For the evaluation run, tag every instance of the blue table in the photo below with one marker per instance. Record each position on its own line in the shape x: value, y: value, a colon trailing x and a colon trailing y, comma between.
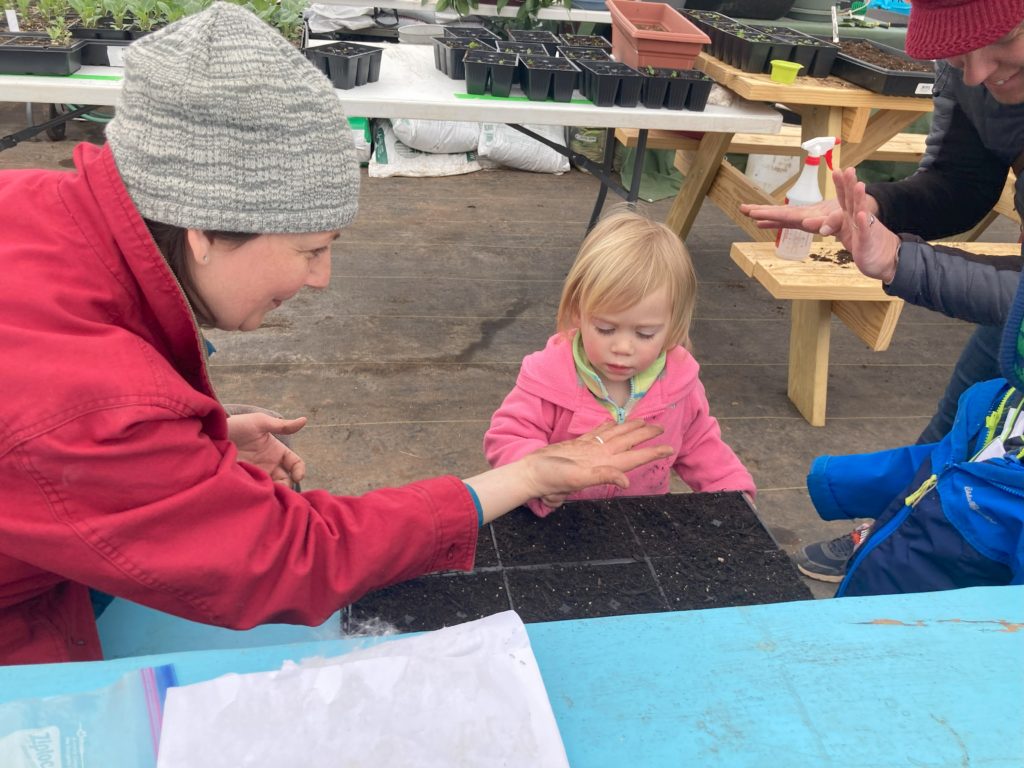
x: 926, y: 680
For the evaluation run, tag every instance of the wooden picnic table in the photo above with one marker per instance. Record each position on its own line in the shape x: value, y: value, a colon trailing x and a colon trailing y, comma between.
x: 818, y: 287
x: 827, y: 106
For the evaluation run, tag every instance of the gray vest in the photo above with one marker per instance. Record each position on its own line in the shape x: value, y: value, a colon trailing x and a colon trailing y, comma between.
x: 1000, y: 126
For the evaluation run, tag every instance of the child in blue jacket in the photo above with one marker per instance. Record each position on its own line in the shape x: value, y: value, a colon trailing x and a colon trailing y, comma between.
x: 948, y: 514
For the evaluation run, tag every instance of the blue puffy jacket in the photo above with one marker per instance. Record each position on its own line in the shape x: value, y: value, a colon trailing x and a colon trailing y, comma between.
x: 942, y: 521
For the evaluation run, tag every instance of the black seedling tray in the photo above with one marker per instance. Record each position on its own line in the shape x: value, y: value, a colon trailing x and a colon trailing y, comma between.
x: 98, y: 52
x: 889, y: 82
x: 815, y: 55
x: 700, y: 90
x: 583, y: 54
x: 547, y: 77
x: 31, y: 54
x: 587, y: 41
x: 601, y: 558
x: 548, y: 39
x: 347, y: 64
x: 479, y: 33
x: 611, y: 83
x: 665, y: 87
x: 449, y: 53
x: 490, y: 71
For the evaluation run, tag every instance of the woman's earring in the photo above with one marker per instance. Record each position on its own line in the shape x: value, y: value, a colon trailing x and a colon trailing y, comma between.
x: 206, y: 258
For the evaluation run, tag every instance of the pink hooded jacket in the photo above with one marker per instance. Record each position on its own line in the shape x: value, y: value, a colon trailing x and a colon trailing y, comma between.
x: 550, y: 404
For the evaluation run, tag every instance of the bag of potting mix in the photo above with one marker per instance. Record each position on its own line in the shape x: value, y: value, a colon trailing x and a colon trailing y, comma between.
x: 393, y: 158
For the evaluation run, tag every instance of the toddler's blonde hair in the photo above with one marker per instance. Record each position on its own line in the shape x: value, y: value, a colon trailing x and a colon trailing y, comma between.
x: 625, y: 258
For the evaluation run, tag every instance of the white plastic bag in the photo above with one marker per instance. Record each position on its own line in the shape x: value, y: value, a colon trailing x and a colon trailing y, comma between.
x: 393, y: 158
x: 113, y: 727
x: 437, y: 135
x: 323, y: 18
x: 464, y: 696
x: 506, y: 145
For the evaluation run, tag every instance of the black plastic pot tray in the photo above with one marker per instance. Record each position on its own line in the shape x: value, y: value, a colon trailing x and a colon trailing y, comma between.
x: 104, y: 53
x: 600, y: 558
x: 19, y: 57
x: 449, y: 53
x: 815, y: 55
x: 889, y: 82
x: 347, y: 64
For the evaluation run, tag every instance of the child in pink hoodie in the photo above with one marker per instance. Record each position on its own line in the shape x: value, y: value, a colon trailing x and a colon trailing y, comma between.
x: 621, y: 353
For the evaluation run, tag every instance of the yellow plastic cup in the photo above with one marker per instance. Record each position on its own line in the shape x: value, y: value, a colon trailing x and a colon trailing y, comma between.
x: 785, y: 71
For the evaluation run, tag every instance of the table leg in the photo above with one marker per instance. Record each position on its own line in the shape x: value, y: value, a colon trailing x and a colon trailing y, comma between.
x: 638, y: 166
x: 873, y: 322
x: 880, y: 127
x: 606, y: 169
x: 602, y: 172
x: 809, y: 335
x: 728, y: 190
x: 686, y: 206
x: 6, y: 142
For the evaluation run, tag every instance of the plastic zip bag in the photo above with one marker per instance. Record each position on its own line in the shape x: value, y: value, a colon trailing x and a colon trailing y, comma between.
x: 113, y: 727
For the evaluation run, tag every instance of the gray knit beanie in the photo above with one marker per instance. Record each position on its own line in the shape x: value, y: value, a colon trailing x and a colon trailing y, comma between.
x: 222, y: 124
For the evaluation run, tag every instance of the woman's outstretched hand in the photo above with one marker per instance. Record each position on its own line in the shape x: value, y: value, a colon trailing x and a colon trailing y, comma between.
x: 254, y: 436
x: 602, y: 456
x: 874, y: 247
x: 809, y: 218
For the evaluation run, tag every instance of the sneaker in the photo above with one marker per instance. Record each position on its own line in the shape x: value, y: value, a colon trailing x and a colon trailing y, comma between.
x: 826, y: 560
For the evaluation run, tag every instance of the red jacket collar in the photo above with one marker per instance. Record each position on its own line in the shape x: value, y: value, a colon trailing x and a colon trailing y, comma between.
x: 136, y: 257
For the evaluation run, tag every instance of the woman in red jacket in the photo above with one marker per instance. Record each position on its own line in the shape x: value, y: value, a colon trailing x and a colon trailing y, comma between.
x: 121, y: 470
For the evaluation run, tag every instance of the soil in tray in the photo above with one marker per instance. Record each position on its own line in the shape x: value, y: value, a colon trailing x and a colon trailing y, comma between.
x: 601, y: 558
x: 583, y: 54
x: 30, y: 41
x: 859, y: 49
x: 586, y: 41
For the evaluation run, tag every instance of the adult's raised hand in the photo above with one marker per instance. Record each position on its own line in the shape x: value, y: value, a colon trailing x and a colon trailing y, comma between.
x: 874, y: 246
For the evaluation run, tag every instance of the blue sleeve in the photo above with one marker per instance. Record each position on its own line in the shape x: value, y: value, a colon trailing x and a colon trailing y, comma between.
x: 863, y: 484
x: 476, y: 504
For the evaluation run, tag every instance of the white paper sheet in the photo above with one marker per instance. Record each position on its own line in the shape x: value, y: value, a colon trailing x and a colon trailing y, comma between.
x: 468, y: 695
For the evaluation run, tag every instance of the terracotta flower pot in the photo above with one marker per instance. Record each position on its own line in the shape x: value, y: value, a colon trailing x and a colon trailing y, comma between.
x: 653, y: 34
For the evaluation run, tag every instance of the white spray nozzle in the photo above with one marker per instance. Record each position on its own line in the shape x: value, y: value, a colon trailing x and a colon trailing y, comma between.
x: 819, y: 146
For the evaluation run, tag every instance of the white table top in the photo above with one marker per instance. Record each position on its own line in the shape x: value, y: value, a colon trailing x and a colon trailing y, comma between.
x: 410, y: 86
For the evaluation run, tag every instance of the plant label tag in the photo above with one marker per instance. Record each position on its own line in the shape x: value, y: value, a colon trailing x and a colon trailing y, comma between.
x: 12, y: 20
x: 835, y: 23
x: 115, y: 55
x: 923, y: 89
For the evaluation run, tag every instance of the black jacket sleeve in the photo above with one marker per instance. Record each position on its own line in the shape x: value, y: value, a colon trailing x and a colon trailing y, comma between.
x: 957, y: 183
x: 978, y: 289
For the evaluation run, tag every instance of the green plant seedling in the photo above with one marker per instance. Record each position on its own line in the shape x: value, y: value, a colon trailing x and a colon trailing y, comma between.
x: 89, y: 12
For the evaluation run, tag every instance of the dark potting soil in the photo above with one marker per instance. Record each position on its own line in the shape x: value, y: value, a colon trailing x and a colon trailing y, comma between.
x: 645, y: 554
x: 840, y: 257
x: 860, y: 49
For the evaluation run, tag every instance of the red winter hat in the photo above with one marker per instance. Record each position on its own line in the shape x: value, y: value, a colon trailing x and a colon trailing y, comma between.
x: 939, y: 29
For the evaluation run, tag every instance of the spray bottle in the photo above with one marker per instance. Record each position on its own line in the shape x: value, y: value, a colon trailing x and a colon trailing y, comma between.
x: 795, y: 244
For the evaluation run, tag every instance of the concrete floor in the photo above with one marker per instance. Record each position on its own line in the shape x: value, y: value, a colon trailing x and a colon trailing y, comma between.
x: 442, y: 285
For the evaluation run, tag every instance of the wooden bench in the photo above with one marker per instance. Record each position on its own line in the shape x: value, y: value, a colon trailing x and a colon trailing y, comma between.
x: 724, y: 190
x: 903, y: 147
x: 818, y: 289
